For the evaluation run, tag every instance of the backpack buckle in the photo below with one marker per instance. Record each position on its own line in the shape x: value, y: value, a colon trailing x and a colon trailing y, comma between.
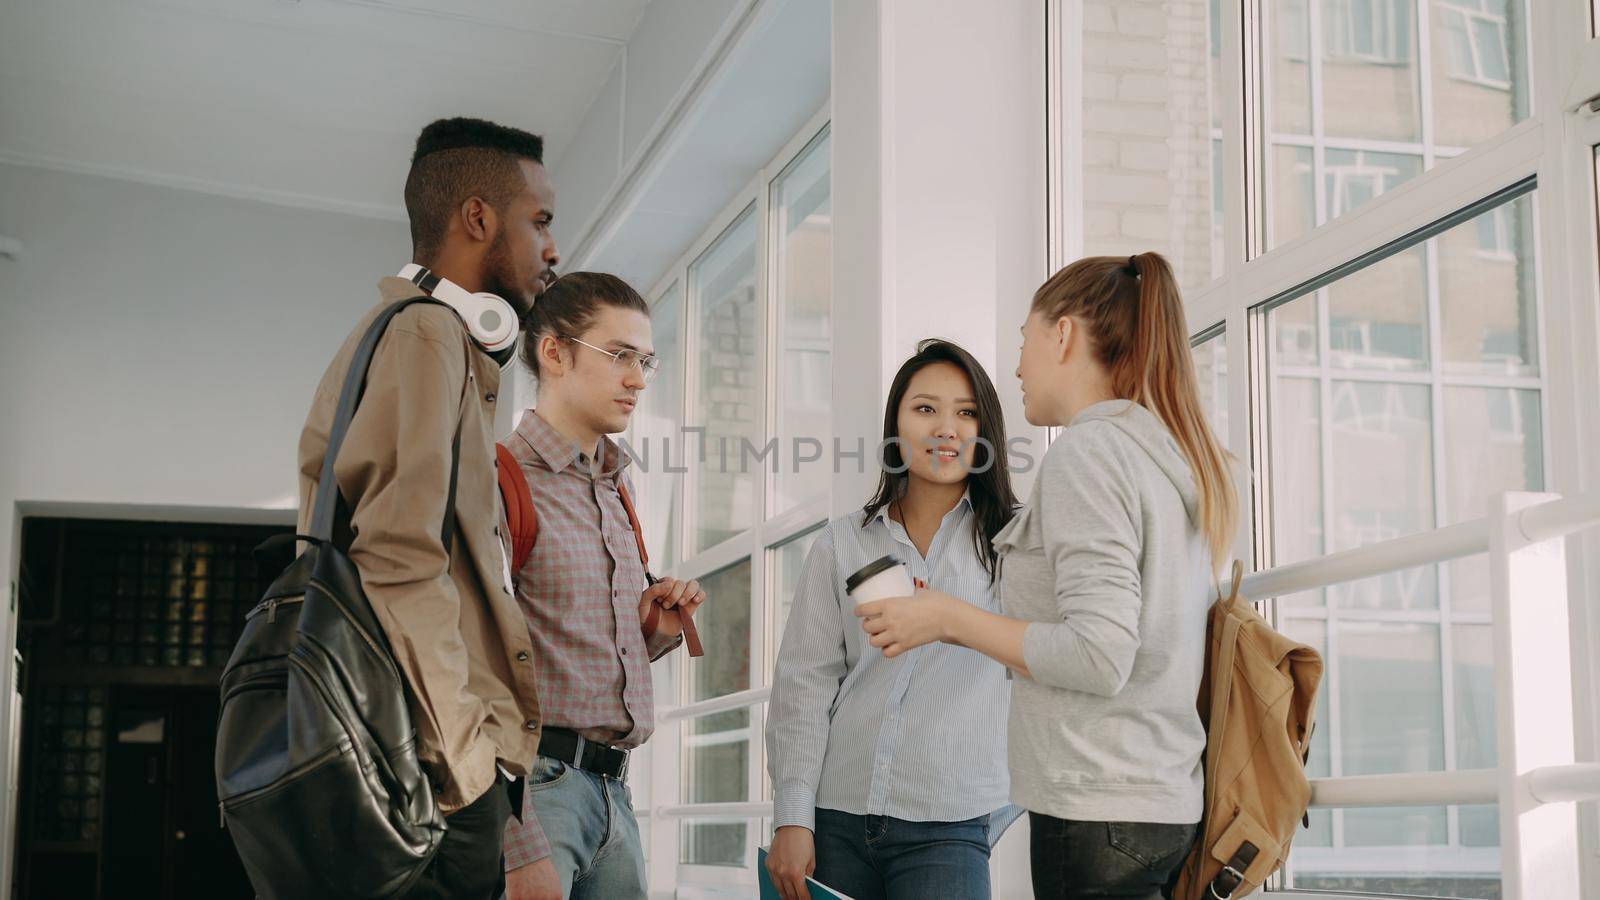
x: 1230, y: 872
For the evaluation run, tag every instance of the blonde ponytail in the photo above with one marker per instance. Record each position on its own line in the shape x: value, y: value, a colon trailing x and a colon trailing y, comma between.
x: 1136, y: 324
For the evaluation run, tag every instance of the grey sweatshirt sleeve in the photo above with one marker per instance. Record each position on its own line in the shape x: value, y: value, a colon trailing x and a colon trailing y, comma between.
x: 1090, y: 512
x: 810, y: 668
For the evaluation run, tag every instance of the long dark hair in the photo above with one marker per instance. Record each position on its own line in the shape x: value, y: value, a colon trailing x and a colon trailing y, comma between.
x: 993, y: 501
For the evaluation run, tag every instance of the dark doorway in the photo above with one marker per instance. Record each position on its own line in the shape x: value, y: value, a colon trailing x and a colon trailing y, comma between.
x: 125, y: 629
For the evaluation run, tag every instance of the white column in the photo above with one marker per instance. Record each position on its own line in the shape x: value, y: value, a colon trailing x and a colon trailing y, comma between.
x: 1533, y: 703
x: 939, y: 217
x: 938, y: 197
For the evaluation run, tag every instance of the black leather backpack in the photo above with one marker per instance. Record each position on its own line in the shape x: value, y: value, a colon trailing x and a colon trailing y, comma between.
x: 317, y: 772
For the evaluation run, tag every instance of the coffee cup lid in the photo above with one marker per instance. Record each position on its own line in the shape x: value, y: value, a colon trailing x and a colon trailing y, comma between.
x: 876, y: 567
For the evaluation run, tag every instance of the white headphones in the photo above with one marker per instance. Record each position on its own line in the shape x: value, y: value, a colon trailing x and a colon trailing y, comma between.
x: 491, y: 321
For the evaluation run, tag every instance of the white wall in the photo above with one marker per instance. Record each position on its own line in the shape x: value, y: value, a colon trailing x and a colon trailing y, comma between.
x: 938, y: 216
x: 664, y: 54
x: 160, y: 347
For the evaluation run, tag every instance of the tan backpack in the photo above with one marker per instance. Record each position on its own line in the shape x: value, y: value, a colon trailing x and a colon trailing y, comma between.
x: 1257, y: 698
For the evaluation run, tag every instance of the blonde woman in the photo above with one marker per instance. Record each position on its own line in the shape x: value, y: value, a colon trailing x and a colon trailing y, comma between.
x: 1104, y: 584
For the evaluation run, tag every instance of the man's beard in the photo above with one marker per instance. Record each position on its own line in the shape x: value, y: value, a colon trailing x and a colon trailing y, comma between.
x: 500, y: 277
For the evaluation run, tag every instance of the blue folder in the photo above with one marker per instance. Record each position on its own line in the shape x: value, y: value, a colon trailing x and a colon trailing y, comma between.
x: 769, y: 891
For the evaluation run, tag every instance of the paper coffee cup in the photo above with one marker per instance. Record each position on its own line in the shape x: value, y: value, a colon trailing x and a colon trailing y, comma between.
x: 881, y: 578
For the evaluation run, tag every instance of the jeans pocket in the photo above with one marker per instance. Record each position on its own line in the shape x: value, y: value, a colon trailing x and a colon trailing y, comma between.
x: 1156, y: 846
x: 547, y: 772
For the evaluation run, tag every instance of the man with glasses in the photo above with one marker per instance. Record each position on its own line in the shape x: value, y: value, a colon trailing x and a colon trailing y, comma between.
x: 584, y: 591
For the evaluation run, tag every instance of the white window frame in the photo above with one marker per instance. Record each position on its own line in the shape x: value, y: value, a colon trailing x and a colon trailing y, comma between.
x: 1554, y: 145
x: 663, y: 809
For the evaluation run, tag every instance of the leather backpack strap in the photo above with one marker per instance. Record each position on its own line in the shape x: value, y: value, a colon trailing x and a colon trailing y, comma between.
x: 521, y: 517
x: 326, y: 501
x: 652, y: 619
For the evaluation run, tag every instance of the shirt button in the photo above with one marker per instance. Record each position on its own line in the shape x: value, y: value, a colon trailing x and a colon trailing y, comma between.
x: 532, y: 725
x: 522, y: 656
x: 489, y: 397
x: 624, y: 651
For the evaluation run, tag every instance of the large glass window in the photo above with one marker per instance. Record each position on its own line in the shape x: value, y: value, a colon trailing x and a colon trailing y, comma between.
x: 1211, y: 376
x: 728, y: 324
x: 1401, y: 396
x: 1152, y: 133
x: 658, y: 443
x: 1357, y: 103
x: 788, y: 557
x: 717, y: 746
x: 747, y: 348
x: 802, y: 212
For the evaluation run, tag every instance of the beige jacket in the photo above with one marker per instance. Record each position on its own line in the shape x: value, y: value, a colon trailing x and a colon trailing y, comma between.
x: 452, y: 621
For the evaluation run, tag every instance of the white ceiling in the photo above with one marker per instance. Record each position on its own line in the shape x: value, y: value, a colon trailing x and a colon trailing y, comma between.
x: 307, y: 102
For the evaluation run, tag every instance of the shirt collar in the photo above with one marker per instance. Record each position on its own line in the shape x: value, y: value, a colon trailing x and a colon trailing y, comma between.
x: 883, y: 511
x: 558, y: 452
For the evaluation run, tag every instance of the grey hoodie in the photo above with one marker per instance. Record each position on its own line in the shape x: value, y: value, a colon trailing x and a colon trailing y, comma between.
x: 1109, y: 564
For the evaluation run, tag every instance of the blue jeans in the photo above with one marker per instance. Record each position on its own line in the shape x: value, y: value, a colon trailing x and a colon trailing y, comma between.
x: 880, y: 858
x: 594, y: 837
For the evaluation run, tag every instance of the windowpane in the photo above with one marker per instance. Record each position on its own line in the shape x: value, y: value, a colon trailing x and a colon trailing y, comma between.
x: 802, y: 207
x: 1390, y: 719
x: 1394, y: 850
x: 724, y: 626
x: 1346, y: 104
x: 1353, y: 411
x: 1211, y: 375
x: 1297, y: 527
x: 788, y: 558
x: 1477, y: 48
x: 1381, y: 459
x: 1413, y: 859
x: 1293, y: 207
x: 658, y: 444
x: 1378, y: 317
x: 723, y: 281
x: 1370, y: 87
x: 1486, y: 296
x: 1496, y: 441
x: 714, y: 844
x: 1473, y: 667
x: 717, y: 747
x: 1148, y: 135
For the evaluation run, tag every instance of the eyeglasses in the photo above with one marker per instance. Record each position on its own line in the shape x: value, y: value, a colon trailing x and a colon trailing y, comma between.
x: 623, y: 361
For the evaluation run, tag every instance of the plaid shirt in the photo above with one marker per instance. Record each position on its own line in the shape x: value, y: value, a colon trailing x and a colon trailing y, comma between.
x: 580, y: 589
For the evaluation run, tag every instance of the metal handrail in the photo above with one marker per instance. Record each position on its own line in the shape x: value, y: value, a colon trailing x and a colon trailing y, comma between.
x: 726, y: 702
x: 1545, y: 521
x: 1550, y: 784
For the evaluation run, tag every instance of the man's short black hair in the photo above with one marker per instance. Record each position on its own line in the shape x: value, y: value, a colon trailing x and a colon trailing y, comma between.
x: 455, y: 160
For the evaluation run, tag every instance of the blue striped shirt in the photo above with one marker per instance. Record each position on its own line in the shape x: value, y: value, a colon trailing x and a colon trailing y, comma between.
x: 921, y: 737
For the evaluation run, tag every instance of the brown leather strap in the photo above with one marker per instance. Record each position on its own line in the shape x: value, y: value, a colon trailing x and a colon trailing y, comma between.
x: 1232, y: 874
x: 652, y: 619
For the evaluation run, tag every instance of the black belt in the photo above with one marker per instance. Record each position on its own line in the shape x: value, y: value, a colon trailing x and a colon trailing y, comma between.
x: 572, y: 749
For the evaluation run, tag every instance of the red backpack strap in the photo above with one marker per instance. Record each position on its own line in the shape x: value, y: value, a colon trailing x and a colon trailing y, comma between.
x: 521, y: 517
x: 652, y: 619
x: 633, y: 520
